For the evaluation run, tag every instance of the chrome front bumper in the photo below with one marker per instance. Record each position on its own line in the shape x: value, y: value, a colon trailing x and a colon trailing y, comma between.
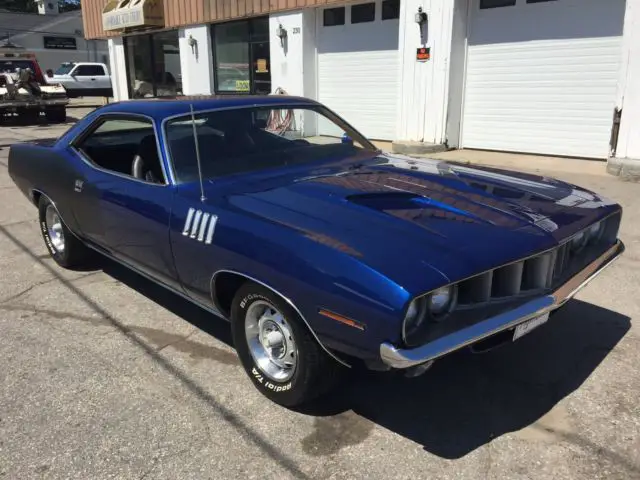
x: 405, y: 358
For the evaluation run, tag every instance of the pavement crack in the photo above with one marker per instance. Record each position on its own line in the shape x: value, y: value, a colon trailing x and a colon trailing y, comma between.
x: 26, y: 290
x: 180, y: 340
x: 40, y: 284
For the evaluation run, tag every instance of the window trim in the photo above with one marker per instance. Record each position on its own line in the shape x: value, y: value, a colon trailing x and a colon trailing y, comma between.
x: 346, y: 126
x: 74, y: 142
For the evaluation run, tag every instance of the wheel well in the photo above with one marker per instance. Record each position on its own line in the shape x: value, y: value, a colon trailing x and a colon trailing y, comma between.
x: 225, y: 287
x: 36, y: 197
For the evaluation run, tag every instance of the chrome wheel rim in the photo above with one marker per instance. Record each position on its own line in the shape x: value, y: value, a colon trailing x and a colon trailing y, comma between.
x: 54, y: 228
x: 271, y: 341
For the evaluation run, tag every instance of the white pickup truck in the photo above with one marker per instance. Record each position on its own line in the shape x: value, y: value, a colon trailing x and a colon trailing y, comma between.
x: 83, y: 79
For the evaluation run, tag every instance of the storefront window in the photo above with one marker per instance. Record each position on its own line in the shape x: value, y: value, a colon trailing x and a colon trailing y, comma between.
x: 242, y: 59
x: 153, y: 65
x: 232, y: 57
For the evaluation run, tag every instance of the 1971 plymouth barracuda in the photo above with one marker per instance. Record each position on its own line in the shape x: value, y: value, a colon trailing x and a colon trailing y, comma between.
x: 322, y: 251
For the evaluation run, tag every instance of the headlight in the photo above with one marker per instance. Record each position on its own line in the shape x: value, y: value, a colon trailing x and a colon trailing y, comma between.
x: 415, y: 320
x: 433, y: 307
x: 440, y: 301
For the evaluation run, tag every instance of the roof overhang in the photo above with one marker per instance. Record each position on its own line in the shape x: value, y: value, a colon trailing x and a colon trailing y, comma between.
x: 125, y: 14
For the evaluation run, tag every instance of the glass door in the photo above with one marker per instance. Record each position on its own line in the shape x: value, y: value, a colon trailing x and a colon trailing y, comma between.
x: 242, y: 59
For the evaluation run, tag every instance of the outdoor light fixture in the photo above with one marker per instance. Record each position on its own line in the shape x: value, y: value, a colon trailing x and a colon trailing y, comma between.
x: 193, y: 43
x: 282, y: 34
x: 421, y: 17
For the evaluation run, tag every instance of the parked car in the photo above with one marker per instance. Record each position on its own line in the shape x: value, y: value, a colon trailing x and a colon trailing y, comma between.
x: 322, y: 251
x: 83, y: 79
x: 23, y: 90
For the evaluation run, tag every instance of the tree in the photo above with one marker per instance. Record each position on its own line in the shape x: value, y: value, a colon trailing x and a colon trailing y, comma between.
x: 68, y: 5
x: 26, y: 6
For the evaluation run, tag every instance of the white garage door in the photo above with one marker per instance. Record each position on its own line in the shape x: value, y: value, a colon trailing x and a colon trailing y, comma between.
x: 542, y: 75
x: 358, y: 64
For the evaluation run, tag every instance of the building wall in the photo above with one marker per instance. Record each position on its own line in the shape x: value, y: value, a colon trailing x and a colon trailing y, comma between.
x: 424, y: 85
x: 193, y: 12
x: 196, y: 62
x: 628, y: 145
x: 118, y: 69
x: 423, y: 106
x: 28, y: 30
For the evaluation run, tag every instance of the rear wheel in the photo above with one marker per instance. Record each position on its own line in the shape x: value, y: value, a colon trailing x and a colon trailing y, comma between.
x: 277, y: 350
x: 55, y: 114
x: 65, y: 248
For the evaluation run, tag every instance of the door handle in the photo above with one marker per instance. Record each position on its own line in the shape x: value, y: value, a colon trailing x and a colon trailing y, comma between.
x: 78, y: 186
x: 92, y: 79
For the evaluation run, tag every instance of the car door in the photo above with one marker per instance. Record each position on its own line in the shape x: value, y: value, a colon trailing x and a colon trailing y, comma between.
x: 86, y: 78
x: 125, y: 215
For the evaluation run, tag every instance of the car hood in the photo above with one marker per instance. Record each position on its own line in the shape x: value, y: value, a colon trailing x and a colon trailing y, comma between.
x: 401, y: 215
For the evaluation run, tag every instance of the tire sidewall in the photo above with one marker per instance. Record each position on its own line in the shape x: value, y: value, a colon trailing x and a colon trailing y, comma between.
x: 284, y: 393
x: 59, y: 257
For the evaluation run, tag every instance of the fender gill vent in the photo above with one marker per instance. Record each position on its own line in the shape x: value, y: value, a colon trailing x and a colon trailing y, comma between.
x: 200, y: 225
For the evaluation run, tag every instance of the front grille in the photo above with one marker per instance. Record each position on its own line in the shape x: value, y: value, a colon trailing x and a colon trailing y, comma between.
x: 537, y: 273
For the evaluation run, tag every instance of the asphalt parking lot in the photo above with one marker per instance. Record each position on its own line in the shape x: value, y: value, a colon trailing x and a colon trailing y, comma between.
x: 105, y: 375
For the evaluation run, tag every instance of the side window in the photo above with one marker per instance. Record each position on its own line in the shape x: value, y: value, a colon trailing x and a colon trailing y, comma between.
x: 126, y: 146
x: 89, y: 70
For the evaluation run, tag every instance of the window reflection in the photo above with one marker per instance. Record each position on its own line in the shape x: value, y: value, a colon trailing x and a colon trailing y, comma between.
x: 153, y: 65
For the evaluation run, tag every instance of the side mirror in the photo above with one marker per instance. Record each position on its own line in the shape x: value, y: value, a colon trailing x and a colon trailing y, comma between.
x: 347, y: 139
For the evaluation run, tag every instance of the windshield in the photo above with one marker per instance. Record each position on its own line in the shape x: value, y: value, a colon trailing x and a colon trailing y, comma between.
x: 258, y: 138
x: 64, y: 69
x: 11, y: 65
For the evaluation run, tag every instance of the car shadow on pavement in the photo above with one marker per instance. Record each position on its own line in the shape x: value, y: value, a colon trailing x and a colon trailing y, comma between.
x: 198, y: 317
x: 465, y: 400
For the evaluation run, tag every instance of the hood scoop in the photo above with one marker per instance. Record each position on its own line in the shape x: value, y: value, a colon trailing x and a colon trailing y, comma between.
x: 395, y: 202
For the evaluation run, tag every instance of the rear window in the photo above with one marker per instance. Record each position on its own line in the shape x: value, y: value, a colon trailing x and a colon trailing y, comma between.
x: 11, y: 65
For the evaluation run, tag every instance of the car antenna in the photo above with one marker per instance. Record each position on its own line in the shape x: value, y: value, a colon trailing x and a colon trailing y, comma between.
x: 195, y: 139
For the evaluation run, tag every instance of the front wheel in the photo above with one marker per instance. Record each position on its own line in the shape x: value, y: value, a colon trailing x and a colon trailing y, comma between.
x: 277, y: 350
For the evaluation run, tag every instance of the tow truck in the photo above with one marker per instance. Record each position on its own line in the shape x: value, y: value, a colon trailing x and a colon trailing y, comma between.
x: 24, y: 91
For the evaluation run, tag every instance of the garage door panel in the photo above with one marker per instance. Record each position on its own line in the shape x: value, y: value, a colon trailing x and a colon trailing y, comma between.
x: 358, y: 73
x: 556, y: 92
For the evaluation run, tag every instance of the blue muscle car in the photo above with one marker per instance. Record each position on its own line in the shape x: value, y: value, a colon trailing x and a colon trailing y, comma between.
x: 322, y: 251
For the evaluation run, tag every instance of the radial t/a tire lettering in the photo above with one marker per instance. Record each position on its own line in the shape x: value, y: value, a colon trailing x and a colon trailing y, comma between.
x: 282, y: 358
x: 63, y: 246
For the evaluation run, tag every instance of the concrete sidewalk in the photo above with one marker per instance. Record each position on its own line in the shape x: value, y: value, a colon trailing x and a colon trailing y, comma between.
x: 520, y: 161
x: 89, y: 102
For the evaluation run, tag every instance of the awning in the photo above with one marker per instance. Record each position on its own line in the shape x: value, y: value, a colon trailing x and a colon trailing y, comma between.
x: 121, y: 14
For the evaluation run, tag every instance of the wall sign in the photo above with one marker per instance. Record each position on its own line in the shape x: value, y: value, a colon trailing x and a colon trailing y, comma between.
x: 423, y: 54
x: 60, y: 43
